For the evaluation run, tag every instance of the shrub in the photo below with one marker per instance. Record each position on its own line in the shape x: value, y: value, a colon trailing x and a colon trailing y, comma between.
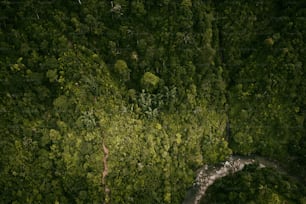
x: 150, y: 81
x: 122, y: 70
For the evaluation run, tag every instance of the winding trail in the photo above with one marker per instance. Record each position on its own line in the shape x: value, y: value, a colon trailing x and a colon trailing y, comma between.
x: 105, y: 173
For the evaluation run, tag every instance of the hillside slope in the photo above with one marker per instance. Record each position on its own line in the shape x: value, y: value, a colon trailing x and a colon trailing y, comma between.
x: 164, y: 86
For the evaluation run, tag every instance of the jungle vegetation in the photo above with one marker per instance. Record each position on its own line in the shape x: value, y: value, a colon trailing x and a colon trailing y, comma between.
x: 166, y: 86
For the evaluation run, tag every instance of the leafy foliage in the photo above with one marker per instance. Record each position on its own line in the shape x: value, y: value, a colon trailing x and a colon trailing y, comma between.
x: 122, y: 69
x: 149, y: 81
x: 264, y: 76
x: 155, y: 81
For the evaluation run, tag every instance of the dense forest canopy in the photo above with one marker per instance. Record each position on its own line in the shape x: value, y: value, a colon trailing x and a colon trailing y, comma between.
x: 165, y: 86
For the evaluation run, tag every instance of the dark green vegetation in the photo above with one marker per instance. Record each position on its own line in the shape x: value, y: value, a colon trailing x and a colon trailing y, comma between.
x: 265, y: 74
x: 156, y: 82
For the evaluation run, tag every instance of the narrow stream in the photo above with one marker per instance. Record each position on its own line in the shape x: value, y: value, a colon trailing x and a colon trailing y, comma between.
x: 207, y: 175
